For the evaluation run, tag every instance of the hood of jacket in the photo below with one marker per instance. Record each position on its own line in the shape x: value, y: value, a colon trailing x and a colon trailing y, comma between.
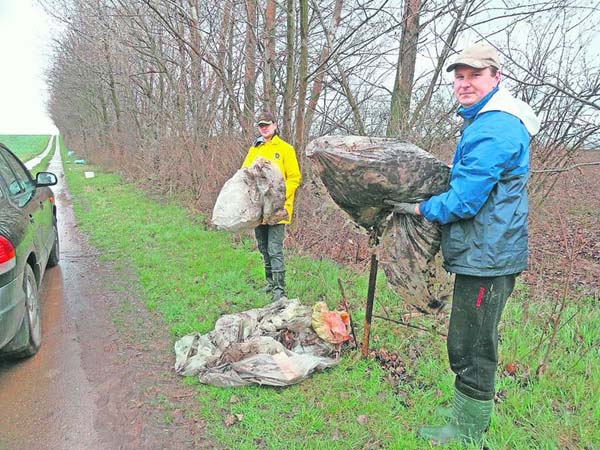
x: 504, y: 101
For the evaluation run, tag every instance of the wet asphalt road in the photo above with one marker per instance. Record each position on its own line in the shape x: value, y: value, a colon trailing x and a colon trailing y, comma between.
x: 91, y: 386
x: 47, y: 401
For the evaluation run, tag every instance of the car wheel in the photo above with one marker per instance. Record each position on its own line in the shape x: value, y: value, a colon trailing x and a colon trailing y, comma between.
x: 32, y: 322
x: 54, y: 257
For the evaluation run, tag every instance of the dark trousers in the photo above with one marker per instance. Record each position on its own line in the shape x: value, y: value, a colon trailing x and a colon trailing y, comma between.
x: 270, y: 244
x: 472, y: 344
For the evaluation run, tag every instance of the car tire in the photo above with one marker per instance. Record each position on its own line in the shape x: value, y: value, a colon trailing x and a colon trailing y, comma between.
x: 32, y: 322
x: 54, y: 257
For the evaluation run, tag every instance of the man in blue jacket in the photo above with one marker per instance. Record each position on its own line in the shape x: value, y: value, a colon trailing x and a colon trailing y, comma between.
x: 484, y: 232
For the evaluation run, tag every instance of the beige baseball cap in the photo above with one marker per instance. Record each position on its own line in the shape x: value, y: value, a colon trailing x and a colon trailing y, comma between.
x: 478, y: 56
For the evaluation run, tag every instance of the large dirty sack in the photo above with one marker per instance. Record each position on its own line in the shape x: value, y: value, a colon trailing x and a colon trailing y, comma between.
x: 254, y: 195
x: 360, y: 173
x: 274, y: 345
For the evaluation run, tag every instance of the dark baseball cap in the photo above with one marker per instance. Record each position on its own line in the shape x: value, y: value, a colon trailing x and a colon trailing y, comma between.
x: 265, y: 118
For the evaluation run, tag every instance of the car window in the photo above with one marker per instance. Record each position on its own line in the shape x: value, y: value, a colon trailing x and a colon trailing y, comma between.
x: 14, y: 175
x: 20, y: 171
x: 8, y: 176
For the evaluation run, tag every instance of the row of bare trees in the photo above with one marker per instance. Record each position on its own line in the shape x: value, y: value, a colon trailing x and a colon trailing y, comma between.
x: 157, y: 85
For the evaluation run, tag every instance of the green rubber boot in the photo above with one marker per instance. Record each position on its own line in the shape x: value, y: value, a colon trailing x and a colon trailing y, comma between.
x: 470, y: 418
x: 444, y: 412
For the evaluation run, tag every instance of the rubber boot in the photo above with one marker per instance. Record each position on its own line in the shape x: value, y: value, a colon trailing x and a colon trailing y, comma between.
x: 444, y: 412
x: 278, y: 286
x: 470, y: 418
x: 269, y: 287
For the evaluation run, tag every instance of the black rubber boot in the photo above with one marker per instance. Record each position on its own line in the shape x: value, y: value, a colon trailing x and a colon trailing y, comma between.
x: 278, y: 286
x: 470, y: 418
x: 269, y: 287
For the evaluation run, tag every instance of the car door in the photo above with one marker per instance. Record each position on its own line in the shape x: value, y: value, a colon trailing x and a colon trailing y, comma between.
x: 23, y: 193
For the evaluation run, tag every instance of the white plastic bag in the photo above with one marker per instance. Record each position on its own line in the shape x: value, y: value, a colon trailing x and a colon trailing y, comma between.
x: 248, y: 348
x: 254, y: 195
x: 238, y: 205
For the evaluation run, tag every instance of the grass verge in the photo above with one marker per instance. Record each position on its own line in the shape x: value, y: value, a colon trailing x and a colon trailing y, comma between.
x: 192, y: 275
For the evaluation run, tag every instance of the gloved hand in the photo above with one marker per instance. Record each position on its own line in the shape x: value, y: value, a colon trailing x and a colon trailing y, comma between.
x: 402, y: 208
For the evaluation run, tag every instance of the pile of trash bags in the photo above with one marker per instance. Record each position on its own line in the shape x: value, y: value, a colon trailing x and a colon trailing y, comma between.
x: 278, y: 345
x: 254, y: 195
x: 360, y: 173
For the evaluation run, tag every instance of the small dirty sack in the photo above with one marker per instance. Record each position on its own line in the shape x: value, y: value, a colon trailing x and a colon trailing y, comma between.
x: 361, y: 172
x: 254, y: 195
x: 331, y: 326
x: 274, y: 345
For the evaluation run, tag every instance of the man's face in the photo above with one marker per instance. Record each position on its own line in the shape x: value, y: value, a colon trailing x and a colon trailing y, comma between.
x: 267, y: 131
x: 471, y: 85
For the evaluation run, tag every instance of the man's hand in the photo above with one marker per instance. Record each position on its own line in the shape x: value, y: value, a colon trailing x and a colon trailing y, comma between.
x: 403, y: 208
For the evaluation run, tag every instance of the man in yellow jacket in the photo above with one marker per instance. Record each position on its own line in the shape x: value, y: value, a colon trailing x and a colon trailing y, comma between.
x: 270, y: 237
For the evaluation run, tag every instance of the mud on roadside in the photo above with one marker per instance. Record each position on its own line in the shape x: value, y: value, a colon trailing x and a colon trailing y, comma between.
x: 128, y: 358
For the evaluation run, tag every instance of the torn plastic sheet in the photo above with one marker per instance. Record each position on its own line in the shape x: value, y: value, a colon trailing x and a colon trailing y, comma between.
x: 361, y: 172
x: 274, y: 345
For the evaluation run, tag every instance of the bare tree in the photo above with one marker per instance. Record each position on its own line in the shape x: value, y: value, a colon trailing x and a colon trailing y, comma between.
x: 405, y: 70
x: 269, y: 61
x: 302, y: 75
x: 144, y: 72
x: 290, y: 75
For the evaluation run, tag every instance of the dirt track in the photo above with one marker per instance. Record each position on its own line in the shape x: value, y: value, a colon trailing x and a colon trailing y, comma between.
x: 94, y: 385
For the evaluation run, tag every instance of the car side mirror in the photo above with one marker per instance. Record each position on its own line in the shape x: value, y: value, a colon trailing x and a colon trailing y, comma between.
x: 45, y: 179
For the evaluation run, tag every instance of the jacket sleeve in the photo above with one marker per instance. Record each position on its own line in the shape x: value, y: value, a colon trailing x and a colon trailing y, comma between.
x: 484, y: 159
x: 293, y: 177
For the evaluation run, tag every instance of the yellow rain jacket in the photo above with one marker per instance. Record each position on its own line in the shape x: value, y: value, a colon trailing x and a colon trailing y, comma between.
x: 283, y: 156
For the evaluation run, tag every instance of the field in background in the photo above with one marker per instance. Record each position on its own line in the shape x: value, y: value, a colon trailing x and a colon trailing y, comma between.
x: 564, y: 229
x: 25, y: 146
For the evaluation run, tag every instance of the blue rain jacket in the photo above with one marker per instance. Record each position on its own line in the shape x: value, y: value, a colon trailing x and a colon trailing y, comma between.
x: 484, y: 212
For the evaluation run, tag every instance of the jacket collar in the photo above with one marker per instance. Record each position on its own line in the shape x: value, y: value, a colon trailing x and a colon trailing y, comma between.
x: 261, y: 140
x: 471, y: 111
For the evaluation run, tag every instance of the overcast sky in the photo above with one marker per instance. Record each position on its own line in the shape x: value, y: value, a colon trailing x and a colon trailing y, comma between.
x: 24, y: 52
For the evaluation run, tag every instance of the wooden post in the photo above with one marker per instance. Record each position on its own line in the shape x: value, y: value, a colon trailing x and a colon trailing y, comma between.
x: 369, y: 311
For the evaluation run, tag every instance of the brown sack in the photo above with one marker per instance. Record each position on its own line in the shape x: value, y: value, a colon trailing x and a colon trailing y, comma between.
x: 361, y: 172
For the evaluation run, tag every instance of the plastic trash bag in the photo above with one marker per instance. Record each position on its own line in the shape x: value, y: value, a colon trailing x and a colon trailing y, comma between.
x: 361, y: 172
x: 267, y: 362
x: 413, y: 265
x: 274, y: 345
x: 331, y: 326
x: 254, y: 195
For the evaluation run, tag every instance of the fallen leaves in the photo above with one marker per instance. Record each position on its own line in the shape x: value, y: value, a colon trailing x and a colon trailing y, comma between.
x: 232, y: 419
x: 393, y: 363
x: 362, y: 419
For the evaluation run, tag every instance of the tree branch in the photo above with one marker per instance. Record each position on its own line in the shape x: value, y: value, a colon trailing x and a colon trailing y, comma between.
x: 566, y: 169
